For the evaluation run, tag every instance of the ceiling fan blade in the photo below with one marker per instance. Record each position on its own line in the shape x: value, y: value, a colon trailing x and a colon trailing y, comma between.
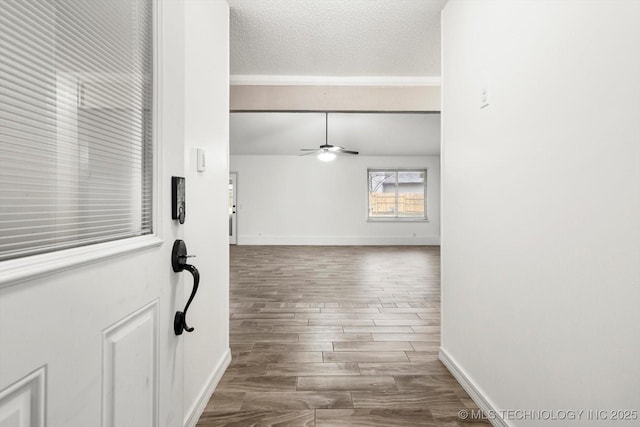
x: 326, y: 148
x: 343, y: 151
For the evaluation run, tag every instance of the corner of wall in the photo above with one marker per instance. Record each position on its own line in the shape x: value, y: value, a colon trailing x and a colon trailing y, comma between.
x: 196, y: 411
x: 477, y: 395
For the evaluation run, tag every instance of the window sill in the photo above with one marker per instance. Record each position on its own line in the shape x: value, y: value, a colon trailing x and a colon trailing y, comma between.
x: 15, y: 271
x: 398, y: 220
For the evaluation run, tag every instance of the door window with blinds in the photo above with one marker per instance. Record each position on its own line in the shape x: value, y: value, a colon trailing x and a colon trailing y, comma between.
x: 76, y: 93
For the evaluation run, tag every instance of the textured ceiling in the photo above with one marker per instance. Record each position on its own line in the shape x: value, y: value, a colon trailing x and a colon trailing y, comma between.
x: 336, y: 37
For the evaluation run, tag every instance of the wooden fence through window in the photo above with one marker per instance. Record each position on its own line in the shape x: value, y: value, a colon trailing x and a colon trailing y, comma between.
x: 384, y: 204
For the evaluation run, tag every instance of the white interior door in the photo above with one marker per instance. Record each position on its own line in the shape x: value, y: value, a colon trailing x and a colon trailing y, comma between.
x: 86, y: 334
x: 233, y: 216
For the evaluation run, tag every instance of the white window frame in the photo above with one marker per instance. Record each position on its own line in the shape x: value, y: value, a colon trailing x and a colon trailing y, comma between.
x: 400, y: 219
x: 19, y: 270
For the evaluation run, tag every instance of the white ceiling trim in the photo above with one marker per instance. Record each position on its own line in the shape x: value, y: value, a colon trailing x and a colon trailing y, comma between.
x: 281, y: 80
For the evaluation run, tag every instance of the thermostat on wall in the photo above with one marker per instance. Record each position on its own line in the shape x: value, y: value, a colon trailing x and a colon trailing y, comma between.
x: 202, y: 160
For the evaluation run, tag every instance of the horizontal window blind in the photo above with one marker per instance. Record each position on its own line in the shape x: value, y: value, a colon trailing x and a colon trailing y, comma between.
x: 75, y: 123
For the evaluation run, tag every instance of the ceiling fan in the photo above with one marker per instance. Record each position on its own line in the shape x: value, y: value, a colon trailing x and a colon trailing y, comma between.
x: 327, y: 152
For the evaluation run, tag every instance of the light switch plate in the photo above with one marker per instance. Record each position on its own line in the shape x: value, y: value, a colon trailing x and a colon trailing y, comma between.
x: 484, y: 97
x: 202, y: 160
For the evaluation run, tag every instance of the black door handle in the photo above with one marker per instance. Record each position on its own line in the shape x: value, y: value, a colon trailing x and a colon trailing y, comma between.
x: 179, y: 263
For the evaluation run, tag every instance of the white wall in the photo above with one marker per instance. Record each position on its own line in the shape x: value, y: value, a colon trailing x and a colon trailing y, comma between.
x: 206, y: 227
x: 372, y: 134
x: 303, y: 201
x: 541, y: 203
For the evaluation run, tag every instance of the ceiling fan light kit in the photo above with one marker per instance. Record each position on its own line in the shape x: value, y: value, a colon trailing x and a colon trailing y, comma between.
x: 326, y: 156
x: 327, y: 152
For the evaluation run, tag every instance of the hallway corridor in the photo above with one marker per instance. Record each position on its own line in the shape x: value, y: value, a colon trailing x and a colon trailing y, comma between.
x: 335, y: 336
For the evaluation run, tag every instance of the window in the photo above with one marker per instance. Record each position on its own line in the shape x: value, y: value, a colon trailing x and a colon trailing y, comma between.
x: 75, y: 123
x: 397, y: 194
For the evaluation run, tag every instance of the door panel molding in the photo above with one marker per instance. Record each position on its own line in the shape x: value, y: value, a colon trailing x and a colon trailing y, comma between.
x: 130, y: 370
x: 22, y: 404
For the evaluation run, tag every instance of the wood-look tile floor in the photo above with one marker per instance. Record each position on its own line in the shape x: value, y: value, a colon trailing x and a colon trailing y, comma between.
x: 335, y: 336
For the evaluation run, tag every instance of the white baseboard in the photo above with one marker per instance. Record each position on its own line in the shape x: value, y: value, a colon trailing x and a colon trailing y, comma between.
x: 194, y: 414
x: 338, y: 240
x: 472, y: 389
